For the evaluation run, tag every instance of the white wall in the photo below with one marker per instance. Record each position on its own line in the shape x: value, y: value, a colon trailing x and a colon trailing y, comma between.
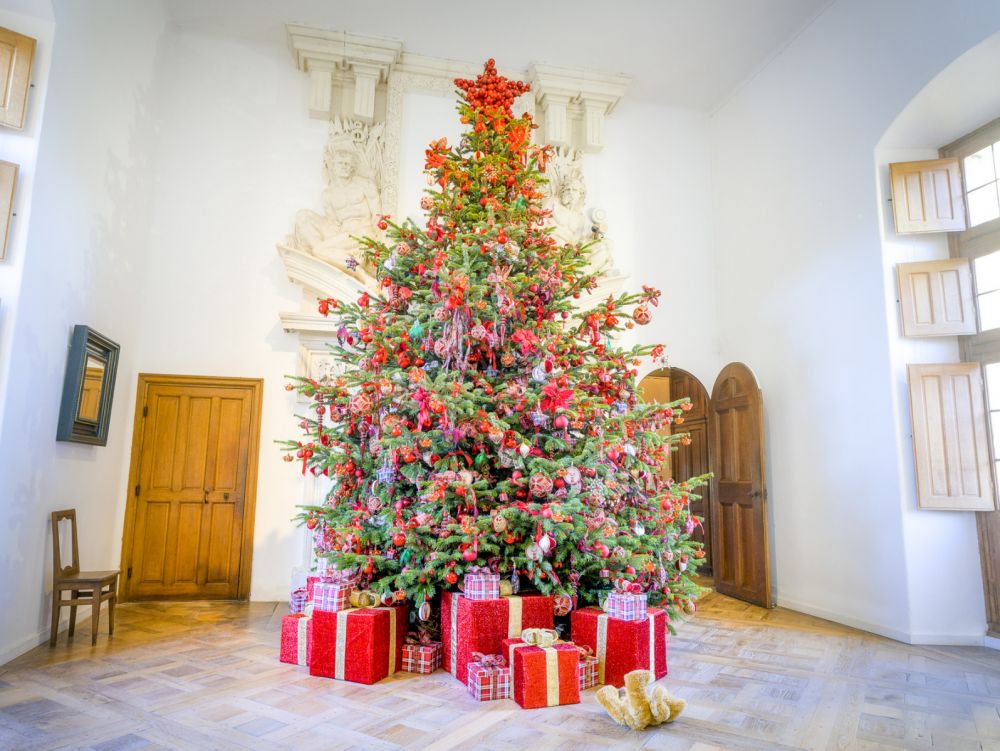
x: 803, y: 299
x: 80, y: 262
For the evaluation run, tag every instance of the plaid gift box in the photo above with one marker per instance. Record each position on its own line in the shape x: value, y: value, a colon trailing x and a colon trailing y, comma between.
x: 489, y: 678
x: 297, y: 602
x: 626, y: 606
x: 588, y: 671
x: 481, y: 585
x: 422, y: 658
x: 331, y: 597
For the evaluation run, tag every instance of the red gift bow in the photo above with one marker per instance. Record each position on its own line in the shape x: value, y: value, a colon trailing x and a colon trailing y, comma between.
x: 585, y: 651
x: 489, y: 661
x: 623, y: 586
x: 339, y: 576
x: 479, y: 571
x: 423, y: 640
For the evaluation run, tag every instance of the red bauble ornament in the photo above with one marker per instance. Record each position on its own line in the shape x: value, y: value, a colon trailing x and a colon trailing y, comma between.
x: 470, y: 554
x: 641, y: 315
x: 451, y: 577
x: 399, y: 539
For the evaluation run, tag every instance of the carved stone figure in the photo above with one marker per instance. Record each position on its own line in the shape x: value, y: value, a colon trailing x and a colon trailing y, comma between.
x: 567, y: 196
x: 350, y: 203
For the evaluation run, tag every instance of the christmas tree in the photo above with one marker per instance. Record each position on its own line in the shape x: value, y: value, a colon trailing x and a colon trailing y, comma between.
x: 482, y: 419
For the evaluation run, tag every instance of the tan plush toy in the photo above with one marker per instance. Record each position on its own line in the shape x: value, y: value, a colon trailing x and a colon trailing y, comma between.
x: 637, y: 707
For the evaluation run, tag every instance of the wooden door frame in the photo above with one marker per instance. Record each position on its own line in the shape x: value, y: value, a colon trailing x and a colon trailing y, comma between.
x: 249, y: 502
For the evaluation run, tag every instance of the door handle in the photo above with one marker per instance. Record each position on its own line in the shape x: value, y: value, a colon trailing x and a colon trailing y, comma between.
x: 755, y: 494
x: 205, y: 497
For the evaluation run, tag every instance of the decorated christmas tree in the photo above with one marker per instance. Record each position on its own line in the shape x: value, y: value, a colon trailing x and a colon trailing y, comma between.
x: 484, y: 417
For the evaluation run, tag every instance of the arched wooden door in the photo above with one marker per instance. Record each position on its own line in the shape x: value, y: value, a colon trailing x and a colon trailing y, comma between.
x: 667, y: 385
x: 692, y: 460
x: 739, y: 497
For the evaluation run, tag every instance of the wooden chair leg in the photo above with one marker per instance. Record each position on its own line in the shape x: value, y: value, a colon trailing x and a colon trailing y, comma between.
x: 72, y: 612
x: 95, y: 618
x: 111, y: 612
x: 56, y: 597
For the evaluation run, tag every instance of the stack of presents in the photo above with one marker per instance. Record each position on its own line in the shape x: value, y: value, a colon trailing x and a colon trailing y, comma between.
x: 500, y: 647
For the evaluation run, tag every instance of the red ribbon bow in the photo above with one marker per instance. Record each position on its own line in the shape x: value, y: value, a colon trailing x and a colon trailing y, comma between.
x: 489, y: 661
x: 423, y: 639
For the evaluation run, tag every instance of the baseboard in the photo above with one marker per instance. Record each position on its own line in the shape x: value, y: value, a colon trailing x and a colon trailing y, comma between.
x: 28, y: 643
x: 992, y: 642
x: 907, y: 637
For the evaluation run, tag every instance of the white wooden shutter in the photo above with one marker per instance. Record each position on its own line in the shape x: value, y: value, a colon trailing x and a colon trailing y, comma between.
x: 16, y: 54
x: 950, y: 437
x: 927, y: 196
x: 936, y: 298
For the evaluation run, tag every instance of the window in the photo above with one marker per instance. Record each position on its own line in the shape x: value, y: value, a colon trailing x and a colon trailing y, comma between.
x: 981, y: 170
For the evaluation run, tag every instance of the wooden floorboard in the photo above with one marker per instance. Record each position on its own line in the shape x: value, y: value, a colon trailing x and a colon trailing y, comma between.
x: 206, y: 676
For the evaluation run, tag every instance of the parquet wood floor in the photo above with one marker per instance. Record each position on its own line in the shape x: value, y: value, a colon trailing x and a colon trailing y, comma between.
x: 206, y: 676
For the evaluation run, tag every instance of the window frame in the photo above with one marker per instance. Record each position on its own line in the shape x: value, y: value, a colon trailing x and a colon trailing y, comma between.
x: 972, y: 243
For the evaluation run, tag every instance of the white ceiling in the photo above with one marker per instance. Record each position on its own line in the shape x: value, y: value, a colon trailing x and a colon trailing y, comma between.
x: 688, y: 53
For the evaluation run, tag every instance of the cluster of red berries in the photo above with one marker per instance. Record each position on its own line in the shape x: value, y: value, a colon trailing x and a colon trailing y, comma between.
x: 490, y: 91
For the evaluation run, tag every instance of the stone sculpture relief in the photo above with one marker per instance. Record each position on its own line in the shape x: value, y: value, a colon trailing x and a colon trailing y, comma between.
x: 351, y: 202
x: 567, y: 197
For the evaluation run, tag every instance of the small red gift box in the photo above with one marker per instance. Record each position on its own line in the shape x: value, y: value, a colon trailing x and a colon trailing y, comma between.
x: 481, y: 586
x: 296, y: 639
x: 622, y: 646
x: 422, y: 658
x: 469, y: 626
x: 626, y: 606
x: 489, y: 679
x: 361, y: 645
x: 311, y: 582
x: 331, y: 597
x: 588, y: 671
x: 543, y: 676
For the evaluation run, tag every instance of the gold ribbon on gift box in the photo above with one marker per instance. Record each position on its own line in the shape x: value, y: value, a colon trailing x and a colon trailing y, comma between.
x: 302, y: 626
x: 363, y: 598
x: 341, y: 644
x: 545, y: 639
x: 602, y: 644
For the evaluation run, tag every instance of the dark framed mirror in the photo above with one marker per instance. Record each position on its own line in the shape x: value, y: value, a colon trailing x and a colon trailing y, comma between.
x: 89, y: 388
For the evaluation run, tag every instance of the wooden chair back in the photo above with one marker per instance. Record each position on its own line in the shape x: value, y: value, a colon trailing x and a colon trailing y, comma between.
x: 58, y: 570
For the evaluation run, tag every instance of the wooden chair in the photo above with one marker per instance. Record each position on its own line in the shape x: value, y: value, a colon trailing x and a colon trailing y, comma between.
x: 74, y: 580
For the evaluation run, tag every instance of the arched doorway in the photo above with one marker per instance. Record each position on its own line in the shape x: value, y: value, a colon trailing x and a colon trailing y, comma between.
x: 692, y: 459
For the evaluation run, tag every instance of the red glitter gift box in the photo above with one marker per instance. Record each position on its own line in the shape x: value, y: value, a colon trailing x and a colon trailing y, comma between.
x: 622, y: 646
x: 543, y: 676
x: 296, y: 639
x: 362, y: 645
x: 422, y: 658
x: 469, y: 626
x: 311, y: 582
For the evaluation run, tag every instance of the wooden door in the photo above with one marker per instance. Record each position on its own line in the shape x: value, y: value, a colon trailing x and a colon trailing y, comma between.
x: 193, y: 474
x: 655, y: 388
x: 692, y: 460
x: 739, y: 497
